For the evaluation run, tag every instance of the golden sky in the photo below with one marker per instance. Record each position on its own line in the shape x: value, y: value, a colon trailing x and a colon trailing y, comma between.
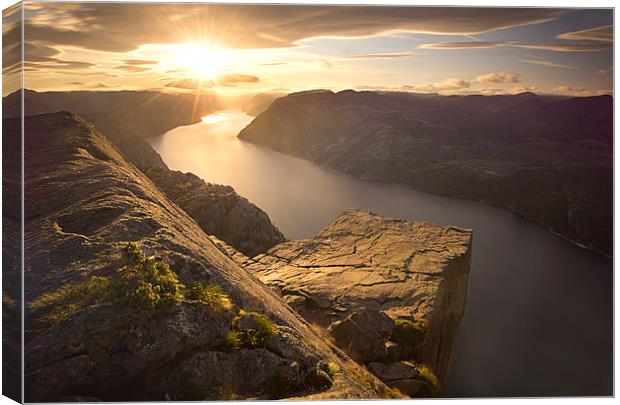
x: 237, y: 49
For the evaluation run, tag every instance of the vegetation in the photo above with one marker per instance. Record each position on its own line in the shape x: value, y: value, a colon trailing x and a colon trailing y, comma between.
x: 142, y: 286
x: 145, y: 285
x: 433, y: 388
x: 332, y: 369
x: 257, y: 334
x: 53, y: 307
x: 408, y: 334
x: 211, y: 294
x: 233, y: 341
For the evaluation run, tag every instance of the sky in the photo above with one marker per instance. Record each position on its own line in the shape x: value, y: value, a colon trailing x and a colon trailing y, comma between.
x: 239, y: 49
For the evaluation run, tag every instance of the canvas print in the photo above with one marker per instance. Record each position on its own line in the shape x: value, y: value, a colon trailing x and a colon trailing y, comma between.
x: 208, y: 201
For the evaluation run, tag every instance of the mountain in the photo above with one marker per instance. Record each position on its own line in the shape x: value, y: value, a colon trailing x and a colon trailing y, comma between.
x: 128, y: 118
x: 127, y: 298
x: 548, y: 159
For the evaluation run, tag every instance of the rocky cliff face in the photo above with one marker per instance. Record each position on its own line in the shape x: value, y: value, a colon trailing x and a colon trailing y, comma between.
x: 127, y: 118
x: 548, y: 159
x: 388, y: 290
x: 129, y: 299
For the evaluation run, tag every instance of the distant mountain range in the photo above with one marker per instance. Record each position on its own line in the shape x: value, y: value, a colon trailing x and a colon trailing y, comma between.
x: 549, y: 159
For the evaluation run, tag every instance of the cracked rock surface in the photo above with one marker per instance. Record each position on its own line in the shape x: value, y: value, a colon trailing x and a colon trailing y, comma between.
x: 409, y: 270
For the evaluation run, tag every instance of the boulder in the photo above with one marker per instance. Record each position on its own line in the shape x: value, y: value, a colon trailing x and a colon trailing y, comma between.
x: 363, y: 334
x: 401, y: 370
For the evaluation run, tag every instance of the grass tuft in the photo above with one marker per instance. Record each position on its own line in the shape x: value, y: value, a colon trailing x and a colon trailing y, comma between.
x: 142, y: 286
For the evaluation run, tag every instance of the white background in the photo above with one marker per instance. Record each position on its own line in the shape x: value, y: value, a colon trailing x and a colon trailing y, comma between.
x: 544, y: 3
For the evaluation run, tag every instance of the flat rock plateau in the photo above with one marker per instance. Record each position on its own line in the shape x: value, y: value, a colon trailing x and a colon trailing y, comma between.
x: 364, y: 265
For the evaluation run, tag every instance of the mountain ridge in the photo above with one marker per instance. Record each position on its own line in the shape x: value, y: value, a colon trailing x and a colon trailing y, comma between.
x: 485, y: 148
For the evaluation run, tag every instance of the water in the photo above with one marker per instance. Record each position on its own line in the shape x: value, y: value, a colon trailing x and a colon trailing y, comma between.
x: 539, y: 314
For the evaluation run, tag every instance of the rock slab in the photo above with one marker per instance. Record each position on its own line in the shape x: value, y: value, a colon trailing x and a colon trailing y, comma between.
x: 364, y: 262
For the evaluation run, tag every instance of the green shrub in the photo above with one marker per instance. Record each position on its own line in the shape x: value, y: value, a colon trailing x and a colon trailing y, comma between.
x: 257, y: 335
x: 332, y: 369
x: 263, y: 329
x: 211, y: 294
x: 233, y: 341
x: 147, y: 286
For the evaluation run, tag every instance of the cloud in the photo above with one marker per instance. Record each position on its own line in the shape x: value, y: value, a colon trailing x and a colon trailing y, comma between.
x: 495, y: 44
x: 325, y: 64
x: 498, y: 77
x: 235, y: 78
x: 604, y: 33
x: 578, y: 91
x: 120, y: 27
x: 90, y: 85
x: 463, y: 45
x: 390, y: 55
x: 273, y: 64
x: 132, y: 68
x: 57, y: 64
x: 446, y: 85
x: 137, y: 62
x: 189, y: 84
x: 544, y: 62
x: 566, y: 47
x: 227, y: 80
x: 603, y: 72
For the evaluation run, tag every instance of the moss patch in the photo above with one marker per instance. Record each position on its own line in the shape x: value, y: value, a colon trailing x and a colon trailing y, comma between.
x: 408, y: 334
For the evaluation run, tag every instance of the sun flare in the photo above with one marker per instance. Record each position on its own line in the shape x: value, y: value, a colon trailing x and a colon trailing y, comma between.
x: 202, y: 62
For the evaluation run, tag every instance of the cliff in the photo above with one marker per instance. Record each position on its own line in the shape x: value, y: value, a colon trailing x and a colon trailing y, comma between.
x: 548, y: 159
x: 128, y: 299
x: 362, y: 267
x: 127, y: 118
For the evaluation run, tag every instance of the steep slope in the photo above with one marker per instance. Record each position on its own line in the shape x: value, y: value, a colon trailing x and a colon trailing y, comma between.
x: 414, y: 272
x: 197, y: 326
x: 548, y: 159
x: 127, y: 118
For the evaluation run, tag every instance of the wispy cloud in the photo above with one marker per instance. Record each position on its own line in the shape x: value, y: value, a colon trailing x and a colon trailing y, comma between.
x: 132, y: 68
x: 387, y: 55
x: 548, y: 63
x: 566, y: 47
x: 227, y: 80
x: 325, y: 64
x: 463, y: 45
x: 120, y: 27
x: 603, y: 33
x: 137, y: 62
x: 546, y: 47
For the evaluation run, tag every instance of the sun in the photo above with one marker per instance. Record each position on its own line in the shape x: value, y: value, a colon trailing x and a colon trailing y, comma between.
x: 202, y: 62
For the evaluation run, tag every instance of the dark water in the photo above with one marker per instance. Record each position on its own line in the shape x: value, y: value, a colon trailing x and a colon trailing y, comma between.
x: 539, y: 314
